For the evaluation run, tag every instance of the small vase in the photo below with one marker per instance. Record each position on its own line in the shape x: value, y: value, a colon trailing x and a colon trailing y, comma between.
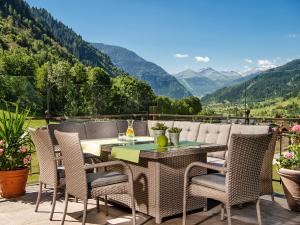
x: 174, y: 138
x: 157, y: 133
x: 291, y: 186
x: 13, y: 182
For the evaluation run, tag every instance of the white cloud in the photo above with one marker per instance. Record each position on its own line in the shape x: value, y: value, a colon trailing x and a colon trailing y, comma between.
x: 179, y: 55
x: 204, y: 59
x: 249, y: 61
x: 292, y: 35
x: 265, y: 64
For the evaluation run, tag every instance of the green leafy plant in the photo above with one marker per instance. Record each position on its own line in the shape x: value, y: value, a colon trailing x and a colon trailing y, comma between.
x: 176, y: 130
x: 15, y: 141
x: 291, y: 159
x: 160, y: 126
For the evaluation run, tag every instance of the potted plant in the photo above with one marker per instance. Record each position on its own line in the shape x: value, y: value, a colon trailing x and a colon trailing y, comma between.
x: 295, y: 134
x: 174, y: 134
x: 15, y: 154
x: 289, y: 171
x: 159, y: 129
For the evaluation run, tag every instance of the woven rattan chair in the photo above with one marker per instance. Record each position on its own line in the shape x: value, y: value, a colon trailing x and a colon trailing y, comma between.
x: 237, y: 183
x: 50, y: 173
x: 82, y: 185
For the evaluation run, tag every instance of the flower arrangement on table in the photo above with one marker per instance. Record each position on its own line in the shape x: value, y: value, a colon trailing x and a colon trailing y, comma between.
x: 160, y: 126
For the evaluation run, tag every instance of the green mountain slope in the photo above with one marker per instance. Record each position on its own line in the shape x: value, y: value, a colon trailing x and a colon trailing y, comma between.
x: 30, y: 53
x: 162, y: 82
x: 283, y: 81
x: 84, y: 51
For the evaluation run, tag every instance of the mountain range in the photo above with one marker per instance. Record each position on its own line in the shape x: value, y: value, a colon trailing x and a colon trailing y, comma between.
x: 282, y: 81
x: 208, y: 80
x: 161, y: 82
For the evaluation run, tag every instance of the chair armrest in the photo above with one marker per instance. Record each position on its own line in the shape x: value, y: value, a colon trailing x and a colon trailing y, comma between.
x: 211, y: 166
x: 105, y: 164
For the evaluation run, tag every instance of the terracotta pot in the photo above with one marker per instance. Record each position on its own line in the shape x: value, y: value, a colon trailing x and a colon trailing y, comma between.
x: 13, y: 183
x: 291, y: 186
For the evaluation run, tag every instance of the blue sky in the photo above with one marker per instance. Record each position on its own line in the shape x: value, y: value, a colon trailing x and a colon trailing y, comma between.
x: 181, y: 34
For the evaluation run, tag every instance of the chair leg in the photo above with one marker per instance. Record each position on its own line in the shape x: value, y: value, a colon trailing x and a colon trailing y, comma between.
x: 106, y: 206
x: 98, y: 205
x: 133, y: 209
x: 258, y: 211
x: 84, y: 211
x: 38, y: 197
x: 65, y: 210
x: 184, y: 204
x: 222, y: 211
x: 228, y: 210
x: 53, y: 202
x: 273, y: 196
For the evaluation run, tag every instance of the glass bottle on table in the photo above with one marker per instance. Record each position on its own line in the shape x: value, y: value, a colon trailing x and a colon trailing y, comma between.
x: 130, y: 131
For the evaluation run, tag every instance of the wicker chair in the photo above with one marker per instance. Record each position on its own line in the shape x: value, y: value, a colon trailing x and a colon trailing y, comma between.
x: 50, y: 173
x: 266, y: 174
x: 235, y: 184
x: 82, y: 185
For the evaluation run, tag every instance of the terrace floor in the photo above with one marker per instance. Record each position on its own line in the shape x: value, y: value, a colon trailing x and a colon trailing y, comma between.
x: 20, y: 211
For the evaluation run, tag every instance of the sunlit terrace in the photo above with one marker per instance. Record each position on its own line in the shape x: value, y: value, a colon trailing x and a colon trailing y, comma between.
x: 103, y: 139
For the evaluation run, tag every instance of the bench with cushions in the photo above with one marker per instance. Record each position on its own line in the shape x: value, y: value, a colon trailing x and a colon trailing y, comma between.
x: 191, y: 131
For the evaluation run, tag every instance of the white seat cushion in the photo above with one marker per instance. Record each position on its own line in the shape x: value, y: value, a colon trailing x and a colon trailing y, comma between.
x: 105, y: 178
x: 189, y: 130
x: 216, y: 161
x: 151, y: 123
x: 214, y: 180
x: 216, y: 134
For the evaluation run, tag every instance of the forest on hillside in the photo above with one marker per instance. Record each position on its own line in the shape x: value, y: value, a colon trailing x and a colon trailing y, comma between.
x: 79, y: 80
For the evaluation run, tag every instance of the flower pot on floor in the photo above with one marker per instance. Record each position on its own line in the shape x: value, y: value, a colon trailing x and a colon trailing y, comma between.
x: 13, y: 182
x: 291, y: 186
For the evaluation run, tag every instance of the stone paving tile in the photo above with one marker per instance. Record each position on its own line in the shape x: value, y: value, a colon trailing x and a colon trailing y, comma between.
x: 21, y: 212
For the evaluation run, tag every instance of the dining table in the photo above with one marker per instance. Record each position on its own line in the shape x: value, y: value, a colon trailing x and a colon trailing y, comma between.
x: 158, y: 172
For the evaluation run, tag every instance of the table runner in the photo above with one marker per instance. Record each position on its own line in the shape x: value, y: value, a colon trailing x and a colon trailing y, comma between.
x: 132, y: 152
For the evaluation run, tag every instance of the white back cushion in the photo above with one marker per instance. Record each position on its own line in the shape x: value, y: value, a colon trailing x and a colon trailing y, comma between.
x: 151, y: 123
x: 216, y: 134
x: 248, y: 129
x: 189, y: 130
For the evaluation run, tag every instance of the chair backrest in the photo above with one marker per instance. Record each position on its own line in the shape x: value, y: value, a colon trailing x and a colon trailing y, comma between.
x: 122, y: 126
x: 216, y: 134
x: 45, y: 154
x: 66, y: 127
x: 266, y: 175
x: 189, y: 130
x: 140, y: 128
x: 105, y: 129
x: 73, y: 161
x: 245, y: 158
